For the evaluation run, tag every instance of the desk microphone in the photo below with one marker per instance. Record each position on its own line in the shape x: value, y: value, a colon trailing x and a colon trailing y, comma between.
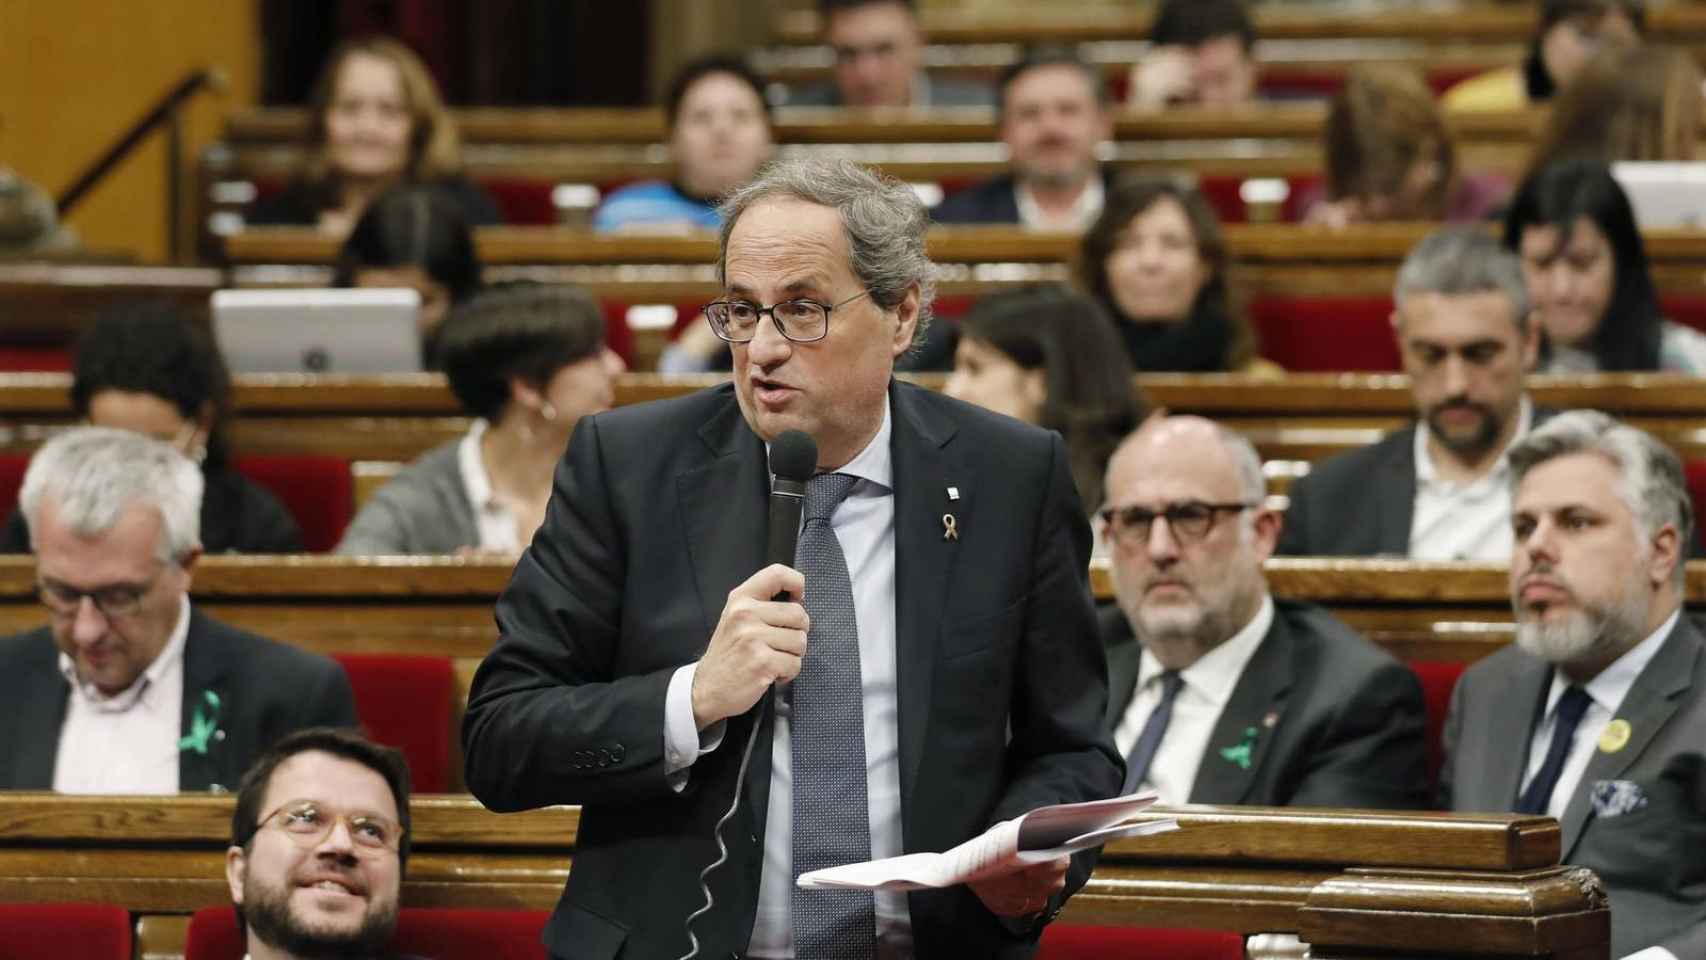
x: 793, y: 460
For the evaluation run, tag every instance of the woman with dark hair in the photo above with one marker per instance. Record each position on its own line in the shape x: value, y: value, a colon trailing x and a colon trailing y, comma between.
x: 147, y: 368
x: 375, y: 119
x: 528, y: 361
x: 412, y: 236
x: 1567, y: 35
x: 1049, y: 356
x: 1586, y: 270
x: 1157, y: 262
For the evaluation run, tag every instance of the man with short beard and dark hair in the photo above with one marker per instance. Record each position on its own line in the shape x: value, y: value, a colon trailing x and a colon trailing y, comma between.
x: 1218, y: 692
x: 319, y: 842
x: 1436, y: 490
x: 1597, y: 714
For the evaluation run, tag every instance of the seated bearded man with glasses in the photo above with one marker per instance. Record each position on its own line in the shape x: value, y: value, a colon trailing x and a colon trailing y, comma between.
x: 129, y: 689
x: 319, y: 841
x: 1218, y: 693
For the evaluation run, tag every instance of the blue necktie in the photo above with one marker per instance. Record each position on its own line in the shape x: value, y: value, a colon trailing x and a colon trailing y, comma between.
x: 1143, y: 752
x: 1570, y: 708
x: 832, y: 822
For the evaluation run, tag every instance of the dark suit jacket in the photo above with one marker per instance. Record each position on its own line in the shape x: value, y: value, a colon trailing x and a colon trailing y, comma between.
x: 937, y: 91
x: 265, y: 689
x: 991, y: 201
x: 659, y: 511
x: 1338, y: 722
x: 1650, y: 860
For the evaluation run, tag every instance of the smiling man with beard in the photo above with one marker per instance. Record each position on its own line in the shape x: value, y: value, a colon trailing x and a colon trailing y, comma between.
x: 1219, y: 693
x: 319, y: 841
x: 1436, y: 490
x: 1597, y: 715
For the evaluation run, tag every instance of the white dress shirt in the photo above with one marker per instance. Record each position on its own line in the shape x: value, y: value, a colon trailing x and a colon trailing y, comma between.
x: 1464, y: 521
x: 864, y: 525
x: 128, y: 742
x: 1208, y: 686
x: 495, y: 523
x: 1076, y: 219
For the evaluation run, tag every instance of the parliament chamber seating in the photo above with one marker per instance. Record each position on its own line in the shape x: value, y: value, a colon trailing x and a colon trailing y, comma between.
x: 64, y: 931
x: 319, y: 492
x: 438, y: 933
x: 409, y: 702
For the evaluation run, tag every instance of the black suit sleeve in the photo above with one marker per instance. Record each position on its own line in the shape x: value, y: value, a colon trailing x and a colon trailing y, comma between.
x: 329, y: 701
x: 1374, y: 755
x: 1294, y: 532
x: 15, y: 537
x: 550, y: 696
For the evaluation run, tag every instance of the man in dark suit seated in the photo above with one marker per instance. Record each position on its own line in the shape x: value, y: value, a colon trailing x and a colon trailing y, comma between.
x: 129, y: 689
x: 1220, y: 693
x: 879, y: 60
x: 319, y: 843
x: 1597, y: 714
x: 930, y: 669
x: 1438, y: 489
x: 1054, y: 114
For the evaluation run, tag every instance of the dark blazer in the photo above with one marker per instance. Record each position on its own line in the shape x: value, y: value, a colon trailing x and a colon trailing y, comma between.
x: 991, y: 201
x: 1650, y: 860
x: 937, y: 92
x: 1337, y: 721
x: 265, y: 689
x: 300, y: 203
x: 658, y: 512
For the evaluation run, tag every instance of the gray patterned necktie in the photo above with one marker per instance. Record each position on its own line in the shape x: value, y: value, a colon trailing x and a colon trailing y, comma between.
x: 832, y: 823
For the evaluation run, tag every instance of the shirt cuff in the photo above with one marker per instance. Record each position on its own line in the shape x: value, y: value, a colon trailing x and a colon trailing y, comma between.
x: 683, y: 741
x: 1651, y: 953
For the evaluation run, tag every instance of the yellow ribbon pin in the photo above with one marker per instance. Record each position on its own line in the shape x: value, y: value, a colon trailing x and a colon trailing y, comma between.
x: 1615, y: 737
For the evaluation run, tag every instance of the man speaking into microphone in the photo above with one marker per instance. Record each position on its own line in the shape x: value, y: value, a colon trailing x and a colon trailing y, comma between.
x: 924, y: 666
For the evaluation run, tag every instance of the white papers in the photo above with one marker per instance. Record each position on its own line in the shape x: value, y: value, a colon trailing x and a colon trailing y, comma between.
x: 1042, y: 835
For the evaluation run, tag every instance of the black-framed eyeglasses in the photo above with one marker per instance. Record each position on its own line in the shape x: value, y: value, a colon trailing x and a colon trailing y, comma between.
x: 114, y: 602
x: 1191, y: 520
x: 802, y: 320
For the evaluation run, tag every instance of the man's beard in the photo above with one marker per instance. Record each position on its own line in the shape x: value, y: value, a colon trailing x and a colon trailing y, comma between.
x: 1476, y: 444
x: 266, y: 911
x: 1589, y: 632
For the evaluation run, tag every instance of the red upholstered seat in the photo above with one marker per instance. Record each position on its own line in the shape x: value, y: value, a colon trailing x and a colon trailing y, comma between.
x: 1076, y: 942
x: 1439, y: 679
x: 525, y: 201
x: 19, y: 359
x: 318, y: 491
x: 12, y: 468
x: 1328, y: 334
x: 406, y: 702
x: 64, y: 931
x: 440, y: 934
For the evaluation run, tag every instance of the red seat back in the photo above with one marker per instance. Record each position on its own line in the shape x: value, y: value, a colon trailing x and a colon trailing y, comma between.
x: 1439, y: 679
x: 23, y: 359
x: 1062, y: 941
x: 12, y: 469
x: 318, y: 491
x: 442, y: 934
x: 406, y: 702
x: 65, y: 931
x: 1330, y: 334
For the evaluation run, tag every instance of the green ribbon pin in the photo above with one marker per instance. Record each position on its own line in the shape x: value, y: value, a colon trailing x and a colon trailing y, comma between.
x: 1241, y: 753
x: 204, y: 723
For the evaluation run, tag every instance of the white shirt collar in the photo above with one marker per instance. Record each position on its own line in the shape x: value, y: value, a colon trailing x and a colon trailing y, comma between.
x: 1216, y: 672
x: 1427, y: 475
x: 876, y: 461
x: 168, y: 659
x: 1612, y: 684
x: 1083, y: 213
x: 473, y: 468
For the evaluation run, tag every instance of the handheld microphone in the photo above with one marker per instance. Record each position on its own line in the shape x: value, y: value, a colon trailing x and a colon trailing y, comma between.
x: 793, y: 460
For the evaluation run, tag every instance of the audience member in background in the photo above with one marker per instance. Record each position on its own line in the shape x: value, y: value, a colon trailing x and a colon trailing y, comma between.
x: 148, y: 368
x: 129, y: 689
x: 1202, y: 53
x: 1596, y: 716
x: 1054, y: 114
x: 1586, y: 268
x: 1391, y: 156
x: 375, y: 119
x: 413, y: 237
x: 528, y: 361
x: 28, y: 221
x: 319, y: 844
x: 879, y: 60
x: 1157, y: 262
x: 1641, y: 103
x: 719, y: 135
x: 1568, y: 34
x: 1217, y: 692
x: 1438, y: 489
x: 1049, y: 356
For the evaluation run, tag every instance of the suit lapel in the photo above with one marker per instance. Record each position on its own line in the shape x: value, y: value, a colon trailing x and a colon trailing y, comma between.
x: 205, y: 716
x: 1124, y: 659
x: 1397, y: 498
x: 923, y: 470
x: 1502, y: 747
x: 1239, y: 745
x: 39, y: 714
x: 1654, y: 697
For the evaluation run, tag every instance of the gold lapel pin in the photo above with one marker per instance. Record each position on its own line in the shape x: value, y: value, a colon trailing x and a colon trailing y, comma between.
x: 950, y: 527
x: 1616, y: 736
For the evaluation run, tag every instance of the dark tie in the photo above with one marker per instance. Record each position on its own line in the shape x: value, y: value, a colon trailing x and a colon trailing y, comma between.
x: 832, y: 823
x: 1569, y: 712
x: 1138, y: 760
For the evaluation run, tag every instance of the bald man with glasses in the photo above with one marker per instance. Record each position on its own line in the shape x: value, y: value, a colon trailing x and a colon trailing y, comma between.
x: 1218, y: 693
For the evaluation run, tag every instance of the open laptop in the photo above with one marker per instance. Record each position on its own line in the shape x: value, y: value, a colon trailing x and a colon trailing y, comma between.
x: 1664, y: 194
x: 318, y: 331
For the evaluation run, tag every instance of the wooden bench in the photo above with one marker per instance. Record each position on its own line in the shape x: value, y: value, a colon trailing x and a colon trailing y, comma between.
x: 1353, y: 884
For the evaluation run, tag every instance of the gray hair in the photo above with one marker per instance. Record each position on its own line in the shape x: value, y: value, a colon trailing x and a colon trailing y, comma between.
x: 885, y: 223
x: 1462, y: 260
x: 1252, y: 485
x: 1652, y: 483
x: 93, y: 474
